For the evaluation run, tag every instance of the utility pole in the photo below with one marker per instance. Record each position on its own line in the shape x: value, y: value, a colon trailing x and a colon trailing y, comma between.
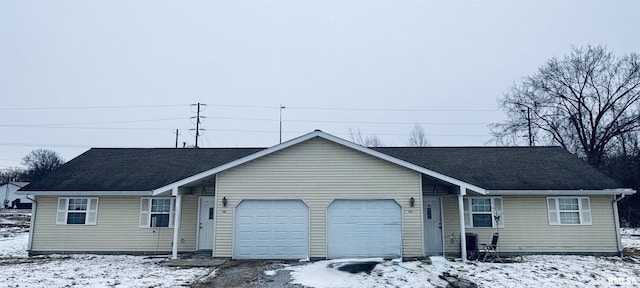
x: 281, y: 107
x: 177, y: 134
x: 198, y: 117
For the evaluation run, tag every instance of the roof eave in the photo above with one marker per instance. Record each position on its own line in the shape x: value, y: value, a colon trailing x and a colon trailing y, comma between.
x: 616, y: 191
x: 85, y: 193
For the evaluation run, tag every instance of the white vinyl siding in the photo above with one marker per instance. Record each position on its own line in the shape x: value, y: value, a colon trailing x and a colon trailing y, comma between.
x: 569, y: 210
x: 482, y: 212
x: 157, y: 211
x: 528, y: 229
x: 318, y: 171
x: 117, y: 228
x: 77, y: 211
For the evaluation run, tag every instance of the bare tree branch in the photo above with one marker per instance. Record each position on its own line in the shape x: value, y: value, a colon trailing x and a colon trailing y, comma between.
x: 417, y: 138
x: 587, y: 102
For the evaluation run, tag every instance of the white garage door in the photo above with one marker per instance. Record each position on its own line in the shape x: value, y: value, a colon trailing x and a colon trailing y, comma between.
x: 271, y: 229
x: 364, y: 228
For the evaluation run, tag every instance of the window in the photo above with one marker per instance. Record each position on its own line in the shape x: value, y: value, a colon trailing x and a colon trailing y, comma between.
x: 77, y: 211
x: 481, y: 212
x: 156, y: 212
x: 569, y: 210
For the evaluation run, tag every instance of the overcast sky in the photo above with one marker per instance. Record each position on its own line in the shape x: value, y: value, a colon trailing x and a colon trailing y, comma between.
x: 81, y: 74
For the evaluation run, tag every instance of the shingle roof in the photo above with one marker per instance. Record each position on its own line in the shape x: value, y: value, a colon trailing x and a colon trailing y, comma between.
x: 507, y: 168
x: 492, y: 168
x: 134, y: 169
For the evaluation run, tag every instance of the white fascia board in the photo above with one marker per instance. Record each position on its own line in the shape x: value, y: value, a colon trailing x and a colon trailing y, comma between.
x: 331, y: 138
x: 617, y: 191
x: 86, y: 193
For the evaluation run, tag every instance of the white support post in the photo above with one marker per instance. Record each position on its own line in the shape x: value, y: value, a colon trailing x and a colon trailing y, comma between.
x: 463, y: 238
x: 34, y: 208
x: 176, y: 224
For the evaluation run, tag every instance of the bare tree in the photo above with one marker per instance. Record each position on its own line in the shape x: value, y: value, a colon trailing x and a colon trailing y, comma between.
x: 417, y: 137
x: 40, y: 162
x: 13, y: 174
x: 371, y: 140
x: 587, y: 102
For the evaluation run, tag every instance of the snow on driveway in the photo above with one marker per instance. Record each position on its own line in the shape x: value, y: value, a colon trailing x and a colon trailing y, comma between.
x: 531, y: 271
x: 16, y: 270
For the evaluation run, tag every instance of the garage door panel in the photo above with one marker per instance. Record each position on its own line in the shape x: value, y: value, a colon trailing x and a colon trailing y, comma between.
x: 271, y: 229
x: 364, y: 228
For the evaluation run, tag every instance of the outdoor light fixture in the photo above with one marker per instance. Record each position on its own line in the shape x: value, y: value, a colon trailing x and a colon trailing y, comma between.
x: 412, y: 201
x: 224, y: 201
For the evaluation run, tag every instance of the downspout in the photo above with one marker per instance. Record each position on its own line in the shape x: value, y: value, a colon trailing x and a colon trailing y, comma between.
x: 176, y: 224
x: 34, y: 205
x: 617, y: 222
x: 463, y: 240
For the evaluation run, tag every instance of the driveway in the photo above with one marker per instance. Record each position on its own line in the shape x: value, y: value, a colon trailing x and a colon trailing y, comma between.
x: 249, y: 273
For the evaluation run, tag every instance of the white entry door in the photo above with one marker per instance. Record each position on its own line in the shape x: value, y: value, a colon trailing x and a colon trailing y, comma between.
x: 432, y: 226
x: 364, y: 228
x: 205, y: 223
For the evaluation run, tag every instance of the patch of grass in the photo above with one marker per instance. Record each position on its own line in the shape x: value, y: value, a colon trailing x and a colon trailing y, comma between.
x: 631, y: 252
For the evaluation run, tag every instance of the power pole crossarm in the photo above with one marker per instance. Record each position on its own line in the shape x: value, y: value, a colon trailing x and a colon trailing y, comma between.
x: 198, y: 117
x: 197, y: 124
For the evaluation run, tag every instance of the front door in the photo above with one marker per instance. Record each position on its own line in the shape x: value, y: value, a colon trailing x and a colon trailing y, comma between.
x: 432, y: 226
x: 205, y: 223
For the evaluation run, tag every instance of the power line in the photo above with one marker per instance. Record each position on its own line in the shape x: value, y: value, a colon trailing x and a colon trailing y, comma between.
x: 87, y: 107
x: 393, y: 109
x: 92, y: 123
x: 247, y: 119
x: 255, y: 107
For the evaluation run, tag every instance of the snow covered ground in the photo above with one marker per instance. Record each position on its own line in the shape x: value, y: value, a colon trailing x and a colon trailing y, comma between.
x: 530, y: 271
x: 17, y: 270
x: 533, y: 271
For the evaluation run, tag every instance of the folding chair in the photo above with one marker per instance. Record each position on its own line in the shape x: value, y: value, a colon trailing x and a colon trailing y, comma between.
x: 491, y: 249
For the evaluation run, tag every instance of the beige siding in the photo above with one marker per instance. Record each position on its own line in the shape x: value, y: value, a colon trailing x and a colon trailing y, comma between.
x: 318, y: 171
x: 116, y: 230
x: 527, y: 230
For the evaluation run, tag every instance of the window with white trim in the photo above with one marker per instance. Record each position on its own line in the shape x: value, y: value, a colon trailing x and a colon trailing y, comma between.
x: 156, y: 212
x: 483, y: 212
x: 77, y: 211
x: 569, y: 210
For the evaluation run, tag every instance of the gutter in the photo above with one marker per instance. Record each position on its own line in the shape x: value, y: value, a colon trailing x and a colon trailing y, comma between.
x: 616, y: 218
x: 34, y: 205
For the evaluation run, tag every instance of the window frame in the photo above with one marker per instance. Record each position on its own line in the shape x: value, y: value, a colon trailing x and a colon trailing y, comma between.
x: 146, y: 213
x: 91, y: 211
x: 554, y: 211
x: 496, y: 207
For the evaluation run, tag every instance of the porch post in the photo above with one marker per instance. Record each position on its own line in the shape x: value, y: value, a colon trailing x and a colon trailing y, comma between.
x: 463, y: 238
x: 176, y: 224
